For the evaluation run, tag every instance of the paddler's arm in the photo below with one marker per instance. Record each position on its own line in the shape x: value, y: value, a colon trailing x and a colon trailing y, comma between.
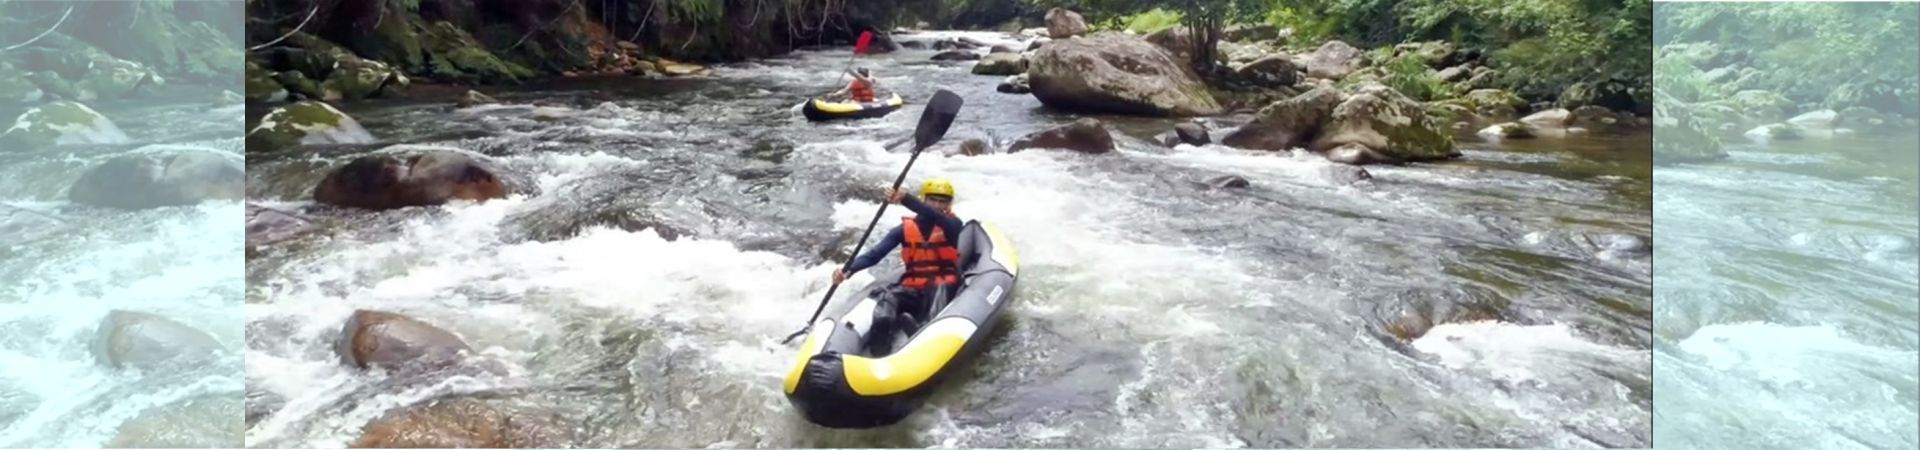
x: 876, y: 253
x: 948, y: 223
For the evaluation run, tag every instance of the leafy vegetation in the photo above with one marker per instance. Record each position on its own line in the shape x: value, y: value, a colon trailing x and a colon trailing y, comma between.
x: 1831, y: 55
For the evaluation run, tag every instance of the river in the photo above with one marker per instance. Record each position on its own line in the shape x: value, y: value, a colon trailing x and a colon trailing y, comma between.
x: 63, y: 267
x: 1787, y: 286
x: 671, y: 232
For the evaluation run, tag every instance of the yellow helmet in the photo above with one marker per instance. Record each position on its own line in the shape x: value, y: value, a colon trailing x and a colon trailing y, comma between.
x: 936, y: 186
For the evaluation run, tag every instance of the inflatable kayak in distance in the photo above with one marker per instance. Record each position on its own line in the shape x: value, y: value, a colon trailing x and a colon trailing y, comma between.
x: 837, y: 382
x: 821, y: 110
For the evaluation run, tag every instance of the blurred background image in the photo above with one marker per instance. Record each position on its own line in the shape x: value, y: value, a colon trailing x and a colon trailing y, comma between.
x: 1785, y: 283
x: 120, y: 227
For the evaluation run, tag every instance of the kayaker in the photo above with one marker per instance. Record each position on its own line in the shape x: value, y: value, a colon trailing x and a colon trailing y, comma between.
x: 930, y: 256
x: 861, y: 88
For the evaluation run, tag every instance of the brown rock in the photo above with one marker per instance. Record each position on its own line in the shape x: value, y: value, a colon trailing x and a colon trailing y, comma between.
x: 426, y: 179
x: 382, y: 339
x: 1086, y: 135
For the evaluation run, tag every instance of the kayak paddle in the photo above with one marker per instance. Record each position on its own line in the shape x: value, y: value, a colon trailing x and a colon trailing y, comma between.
x: 934, y: 122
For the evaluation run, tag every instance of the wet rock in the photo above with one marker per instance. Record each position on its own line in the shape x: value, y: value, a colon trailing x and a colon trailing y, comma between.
x: 154, y: 180
x: 1001, y: 64
x: 1495, y: 104
x: 267, y: 226
x: 1388, y: 124
x: 16, y: 88
x: 916, y: 45
x: 1189, y: 133
x: 1334, y: 60
x: 19, y: 226
x: 475, y: 98
x: 974, y: 147
x: 428, y: 178
x: 460, y: 423
x: 1016, y: 84
x: 1002, y: 48
x: 450, y: 53
x: 356, y: 78
x: 1228, y: 182
x: 1769, y: 133
x: 1116, y: 73
x: 138, y: 340
x: 1345, y: 175
x: 1086, y: 135
x: 261, y: 85
x: 205, y: 421
x: 300, y: 86
x: 1549, y: 119
x: 1287, y: 124
x: 956, y: 55
x: 1271, y: 71
x: 60, y: 123
x: 1037, y: 43
x: 1062, y: 24
x: 305, y: 123
x: 373, y: 339
x: 112, y: 79
x: 679, y: 69
x: 1451, y: 74
x: 1509, y: 130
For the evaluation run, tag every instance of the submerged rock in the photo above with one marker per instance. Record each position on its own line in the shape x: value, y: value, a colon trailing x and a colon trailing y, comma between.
x: 956, y: 55
x: 205, y: 421
x: 460, y: 423
x: 382, y: 339
x: 267, y: 226
x: 1087, y: 135
x: 154, y: 180
x: 423, y: 179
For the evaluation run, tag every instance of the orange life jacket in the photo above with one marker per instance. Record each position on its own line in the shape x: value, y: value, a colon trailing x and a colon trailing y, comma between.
x: 861, y: 91
x: 930, y: 259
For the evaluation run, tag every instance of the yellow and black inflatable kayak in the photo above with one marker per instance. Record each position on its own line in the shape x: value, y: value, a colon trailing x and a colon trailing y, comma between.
x: 836, y: 383
x: 821, y: 110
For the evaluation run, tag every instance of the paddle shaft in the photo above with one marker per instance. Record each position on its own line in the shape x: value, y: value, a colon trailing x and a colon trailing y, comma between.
x: 861, y: 243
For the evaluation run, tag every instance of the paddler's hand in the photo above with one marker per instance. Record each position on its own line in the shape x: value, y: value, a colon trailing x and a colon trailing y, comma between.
x: 894, y: 195
x: 839, y: 276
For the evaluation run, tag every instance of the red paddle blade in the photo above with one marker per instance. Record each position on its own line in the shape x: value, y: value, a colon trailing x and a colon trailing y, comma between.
x: 866, y: 37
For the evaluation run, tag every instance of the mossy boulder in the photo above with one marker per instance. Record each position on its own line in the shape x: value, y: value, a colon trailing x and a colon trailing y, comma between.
x: 356, y: 78
x: 1286, y: 124
x: 52, y: 84
x: 1394, y: 127
x: 304, y: 123
x: 16, y: 87
x: 1001, y: 64
x: 453, y: 54
x: 297, y: 82
x: 261, y: 85
x: 60, y: 123
x: 1433, y: 53
x: 112, y: 79
x: 1116, y: 73
x: 1495, y: 103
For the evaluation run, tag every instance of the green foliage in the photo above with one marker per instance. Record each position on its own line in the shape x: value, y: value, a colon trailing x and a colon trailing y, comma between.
x: 1409, y: 75
x: 1151, y: 20
x: 1832, y: 54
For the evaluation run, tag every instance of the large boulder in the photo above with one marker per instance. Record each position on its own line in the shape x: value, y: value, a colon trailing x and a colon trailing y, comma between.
x: 1286, y: 124
x: 1086, y: 135
x: 60, y: 123
x: 1177, y: 41
x: 356, y: 78
x: 1384, y: 125
x: 1678, y: 136
x: 452, y: 54
x: 1001, y: 64
x: 1451, y: 74
x: 20, y: 226
x: 15, y: 87
x: 112, y: 79
x: 138, y: 340
x: 1334, y: 60
x: 1062, y: 24
x: 373, y: 339
x: 1271, y: 71
x: 460, y: 423
x: 1816, y: 120
x: 301, y: 87
x: 1117, y: 73
x: 423, y: 179
x: 305, y: 123
x: 160, y: 179
x: 203, y: 421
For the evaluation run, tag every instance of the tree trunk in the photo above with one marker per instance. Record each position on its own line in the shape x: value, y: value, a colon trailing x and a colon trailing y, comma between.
x: 1205, y: 29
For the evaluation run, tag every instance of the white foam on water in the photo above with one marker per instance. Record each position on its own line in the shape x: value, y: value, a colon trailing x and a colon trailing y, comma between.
x: 1810, y: 385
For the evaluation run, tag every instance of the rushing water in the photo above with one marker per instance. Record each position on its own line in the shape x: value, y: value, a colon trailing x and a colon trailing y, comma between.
x: 670, y: 232
x: 1787, y: 300
x: 63, y: 267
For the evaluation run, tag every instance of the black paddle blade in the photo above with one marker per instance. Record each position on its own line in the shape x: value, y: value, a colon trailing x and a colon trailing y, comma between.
x: 939, y: 115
